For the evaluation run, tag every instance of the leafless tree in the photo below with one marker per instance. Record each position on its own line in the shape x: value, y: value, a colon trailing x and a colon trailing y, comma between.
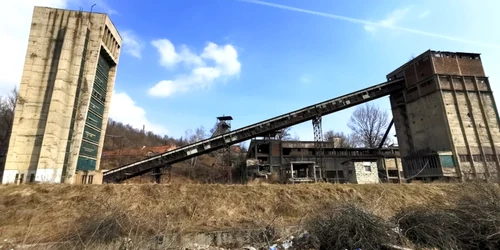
x: 192, y: 137
x: 369, y: 123
x: 286, y: 135
x: 343, y: 140
x: 7, y: 106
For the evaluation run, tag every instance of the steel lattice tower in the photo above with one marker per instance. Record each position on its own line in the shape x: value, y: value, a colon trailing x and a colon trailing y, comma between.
x: 318, y: 143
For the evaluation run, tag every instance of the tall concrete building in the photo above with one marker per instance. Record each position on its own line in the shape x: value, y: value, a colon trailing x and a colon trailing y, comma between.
x: 446, y: 120
x: 62, y: 110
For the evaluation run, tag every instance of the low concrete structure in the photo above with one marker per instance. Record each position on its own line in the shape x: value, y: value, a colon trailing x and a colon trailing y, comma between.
x: 62, y: 108
x: 361, y: 171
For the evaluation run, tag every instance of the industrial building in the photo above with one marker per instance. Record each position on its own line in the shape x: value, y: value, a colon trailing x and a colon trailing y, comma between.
x: 446, y: 118
x: 62, y: 108
x: 295, y: 161
x: 444, y: 112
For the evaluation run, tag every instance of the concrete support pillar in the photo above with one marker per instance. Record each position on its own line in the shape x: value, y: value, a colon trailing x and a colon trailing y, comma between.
x: 387, y: 170
x: 156, y: 175
x: 397, y: 167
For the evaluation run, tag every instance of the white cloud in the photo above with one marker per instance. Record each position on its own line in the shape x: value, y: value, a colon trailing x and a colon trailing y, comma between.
x: 15, y: 23
x: 390, y: 21
x: 424, y: 14
x: 124, y: 109
x: 169, y: 57
x: 215, y: 62
x: 131, y: 43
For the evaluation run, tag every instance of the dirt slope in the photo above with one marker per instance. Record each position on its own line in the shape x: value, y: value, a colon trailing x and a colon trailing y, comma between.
x: 38, y: 213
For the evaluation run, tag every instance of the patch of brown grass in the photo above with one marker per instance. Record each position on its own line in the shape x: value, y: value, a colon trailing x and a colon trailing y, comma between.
x: 41, y: 213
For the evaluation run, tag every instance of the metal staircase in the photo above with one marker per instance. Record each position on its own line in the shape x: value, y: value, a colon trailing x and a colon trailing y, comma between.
x: 223, y: 140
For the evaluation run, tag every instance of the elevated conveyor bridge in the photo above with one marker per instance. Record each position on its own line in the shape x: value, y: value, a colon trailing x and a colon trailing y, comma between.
x: 220, y: 141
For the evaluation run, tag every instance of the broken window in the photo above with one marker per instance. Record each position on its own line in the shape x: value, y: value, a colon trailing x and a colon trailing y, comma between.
x: 465, y: 158
x: 287, y: 151
x: 490, y: 158
x: 477, y: 158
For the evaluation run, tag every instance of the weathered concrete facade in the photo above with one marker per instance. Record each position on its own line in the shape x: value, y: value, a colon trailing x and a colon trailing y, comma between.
x: 362, y: 171
x: 62, y: 110
x: 446, y: 119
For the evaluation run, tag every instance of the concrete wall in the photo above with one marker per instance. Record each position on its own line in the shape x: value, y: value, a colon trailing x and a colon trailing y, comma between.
x: 472, y: 119
x: 393, y: 164
x: 44, y: 109
x: 95, y: 175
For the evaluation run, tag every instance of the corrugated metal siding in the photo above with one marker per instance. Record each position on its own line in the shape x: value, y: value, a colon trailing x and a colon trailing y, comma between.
x: 92, y: 131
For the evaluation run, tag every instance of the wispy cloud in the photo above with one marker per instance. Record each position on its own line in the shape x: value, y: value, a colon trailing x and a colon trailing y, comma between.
x: 375, y: 24
x: 132, y: 44
x: 424, y: 14
x: 391, y: 20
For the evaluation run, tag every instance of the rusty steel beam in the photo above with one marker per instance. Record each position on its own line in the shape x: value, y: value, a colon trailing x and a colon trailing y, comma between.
x: 386, y: 134
x: 252, y: 131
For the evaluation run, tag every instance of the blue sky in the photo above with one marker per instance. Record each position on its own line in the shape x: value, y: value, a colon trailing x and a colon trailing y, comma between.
x: 184, y: 62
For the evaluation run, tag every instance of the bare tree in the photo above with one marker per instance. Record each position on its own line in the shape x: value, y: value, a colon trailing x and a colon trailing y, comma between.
x: 369, y: 123
x: 286, y: 135
x: 7, y: 106
x: 192, y: 137
x: 343, y: 140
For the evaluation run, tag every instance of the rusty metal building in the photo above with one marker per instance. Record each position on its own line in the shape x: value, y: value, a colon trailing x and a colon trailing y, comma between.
x: 446, y: 119
x: 273, y: 157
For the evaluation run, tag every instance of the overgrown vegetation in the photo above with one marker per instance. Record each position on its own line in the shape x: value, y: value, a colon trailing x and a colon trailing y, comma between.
x: 350, y: 226
x: 473, y: 222
x: 7, y: 104
x: 54, y: 213
x: 446, y: 216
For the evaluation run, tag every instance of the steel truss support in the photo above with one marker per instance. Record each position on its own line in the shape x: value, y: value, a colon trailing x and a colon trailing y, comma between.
x: 318, y: 144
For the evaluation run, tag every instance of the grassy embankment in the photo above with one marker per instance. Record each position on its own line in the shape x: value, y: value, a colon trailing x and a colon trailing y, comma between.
x: 48, y: 213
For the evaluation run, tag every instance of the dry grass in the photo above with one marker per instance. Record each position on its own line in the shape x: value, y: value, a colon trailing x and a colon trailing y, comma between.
x: 473, y: 222
x: 47, y: 213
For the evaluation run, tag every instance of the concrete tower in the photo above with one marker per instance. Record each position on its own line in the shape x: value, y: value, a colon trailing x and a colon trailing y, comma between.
x: 62, y: 109
x: 446, y: 119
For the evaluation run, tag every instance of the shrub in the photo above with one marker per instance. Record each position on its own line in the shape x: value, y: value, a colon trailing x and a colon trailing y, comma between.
x: 348, y: 226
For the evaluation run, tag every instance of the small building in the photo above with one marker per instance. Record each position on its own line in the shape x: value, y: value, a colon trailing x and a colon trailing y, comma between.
x: 361, y: 171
